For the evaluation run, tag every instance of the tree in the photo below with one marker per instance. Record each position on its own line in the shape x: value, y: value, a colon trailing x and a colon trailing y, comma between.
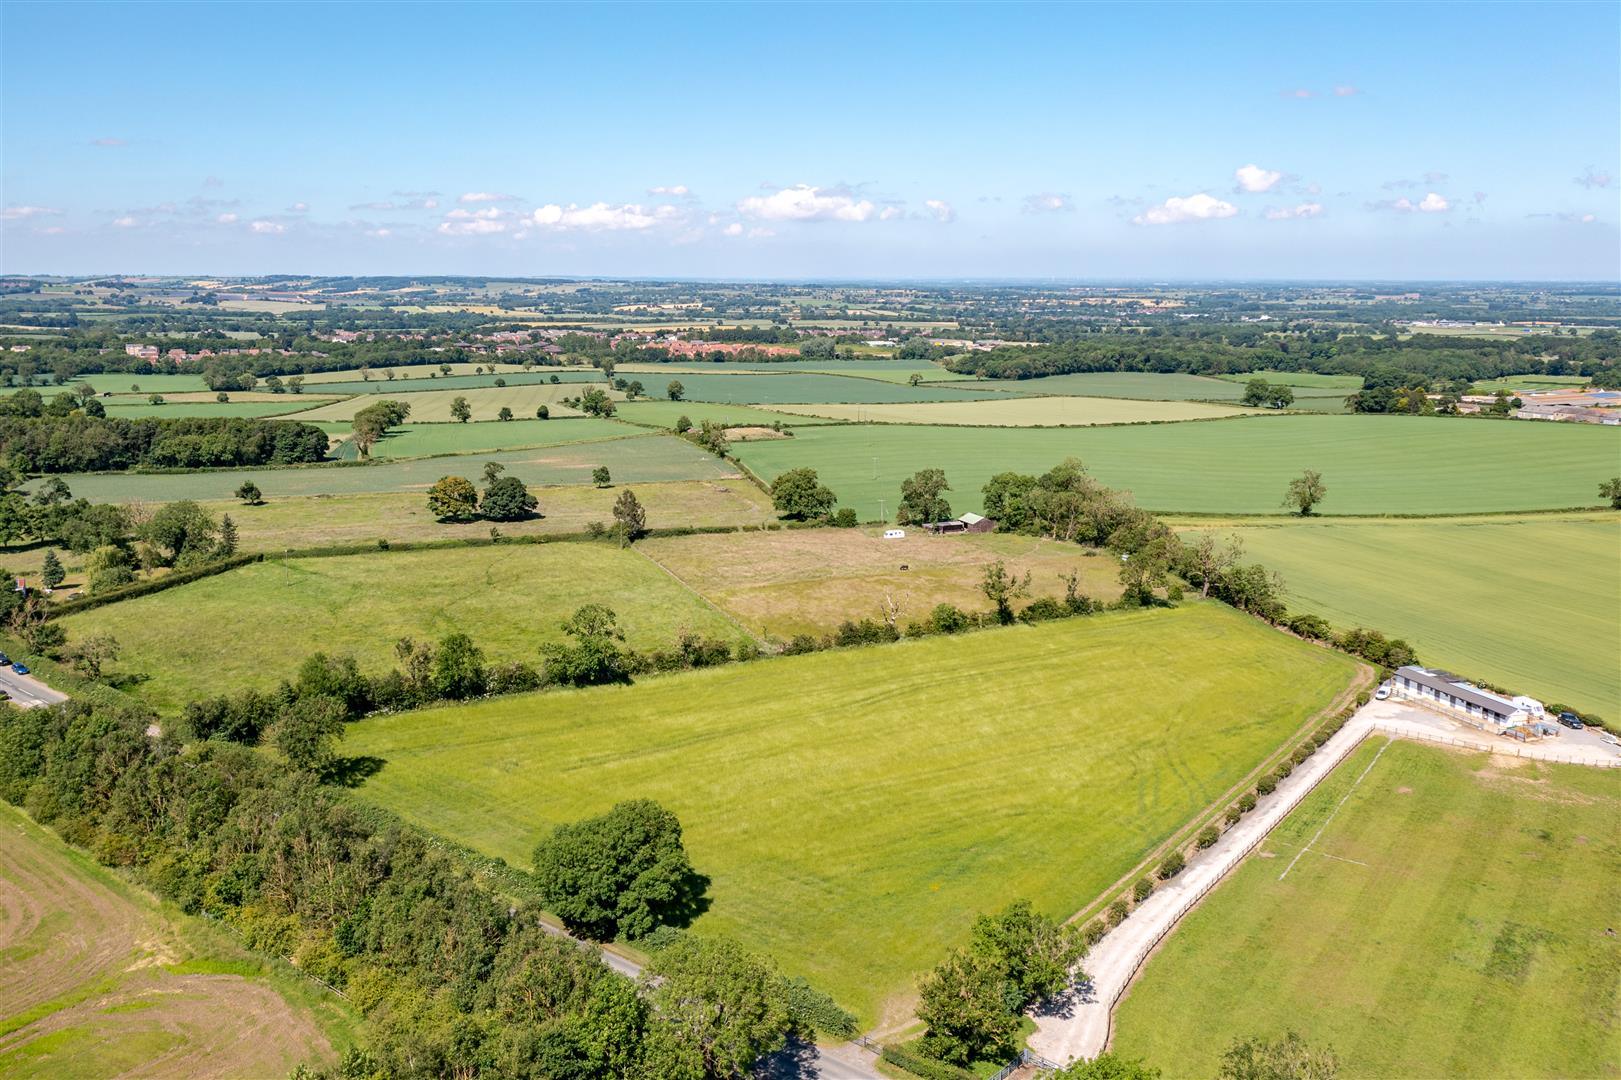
x: 458, y: 668
x: 460, y: 411
x: 594, y: 657
x: 600, y: 476
x: 108, y: 567
x: 306, y: 732
x: 1205, y: 560
x: 1288, y: 1058
x: 630, y: 517
x: 683, y: 424
x: 964, y: 1003
x: 182, y: 531
x: 295, y: 384
x: 507, y: 499
x: 715, y: 1010
x: 492, y: 472
x: 504, y: 414
x: 542, y: 413
x: 1003, y: 588
x: 1147, y: 569
x: 453, y: 498
x: 50, y: 571
x: 675, y: 391
x: 91, y: 655
x: 712, y: 437
x: 250, y: 494
x: 923, y: 499
x: 1611, y: 489
x: 625, y: 872
x: 228, y: 537
x: 372, y: 423
x: 1107, y: 1066
x: 799, y: 494
x: 596, y: 402
x: 1305, y: 492
x: 222, y: 397
x: 915, y: 379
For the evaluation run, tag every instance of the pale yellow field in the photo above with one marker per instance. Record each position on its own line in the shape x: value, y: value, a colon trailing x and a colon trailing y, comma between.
x: 1019, y: 412
x: 422, y: 371
x: 433, y: 406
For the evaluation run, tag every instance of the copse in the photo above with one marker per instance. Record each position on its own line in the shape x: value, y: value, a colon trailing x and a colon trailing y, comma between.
x: 625, y: 872
x: 799, y: 494
x: 82, y: 443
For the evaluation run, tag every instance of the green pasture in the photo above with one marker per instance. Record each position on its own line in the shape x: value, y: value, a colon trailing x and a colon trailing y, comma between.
x: 433, y: 406
x: 427, y: 440
x: 769, y: 388
x: 873, y: 367
x: 639, y: 459
x: 1513, y: 384
x: 190, y: 641
x: 1147, y: 386
x: 1455, y: 917
x: 133, y: 407
x: 1300, y: 380
x: 664, y: 414
x: 417, y: 379
x: 856, y: 809
x: 1370, y: 464
x: 145, y: 382
x: 1529, y: 603
x: 1005, y: 411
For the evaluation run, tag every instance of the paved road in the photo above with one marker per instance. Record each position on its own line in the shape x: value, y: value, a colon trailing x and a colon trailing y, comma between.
x: 1078, y: 1026
x: 28, y: 691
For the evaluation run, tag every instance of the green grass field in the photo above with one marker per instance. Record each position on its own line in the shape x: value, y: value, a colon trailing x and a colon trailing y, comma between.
x: 189, y: 641
x: 433, y: 406
x: 1529, y: 603
x: 857, y: 808
x: 1371, y: 464
x: 1300, y: 380
x: 1003, y: 411
x: 886, y: 370
x: 1455, y: 918
x: 773, y: 388
x: 640, y: 459
x: 1513, y: 384
x: 664, y: 414
x: 135, y: 406
x: 102, y: 980
x: 428, y: 440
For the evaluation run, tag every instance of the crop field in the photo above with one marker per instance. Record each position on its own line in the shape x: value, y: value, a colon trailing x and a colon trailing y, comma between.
x: 1513, y: 384
x: 779, y: 584
x: 1300, y: 380
x: 808, y: 388
x: 664, y: 414
x: 430, y: 371
x: 417, y: 379
x: 857, y: 808
x: 1530, y: 603
x: 1021, y: 412
x: 639, y: 459
x: 1370, y: 464
x: 1454, y: 918
x: 433, y: 406
x: 102, y: 981
x: 135, y: 406
x: 301, y: 522
x: 1151, y: 386
x: 428, y: 440
x: 886, y: 370
x: 188, y: 642
x: 144, y: 382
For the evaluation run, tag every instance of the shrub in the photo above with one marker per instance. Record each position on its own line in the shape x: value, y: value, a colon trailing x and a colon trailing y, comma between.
x: 1312, y: 627
x: 1233, y: 814
x: 1303, y: 751
x: 812, y: 1009
x: 1043, y: 609
x: 1172, y: 865
x: 1283, y: 769
x: 1246, y: 803
x: 1266, y: 785
x: 925, y: 1067
x: 948, y: 619
x: 1363, y: 698
x: 1094, y: 932
x: 1142, y: 890
x: 801, y: 643
x: 1118, y: 912
x: 1207, y: 836
x: 865, y: 632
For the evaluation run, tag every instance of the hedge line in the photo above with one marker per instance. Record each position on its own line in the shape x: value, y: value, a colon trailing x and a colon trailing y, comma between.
x: 918, y: 1065
x: 152, y: 585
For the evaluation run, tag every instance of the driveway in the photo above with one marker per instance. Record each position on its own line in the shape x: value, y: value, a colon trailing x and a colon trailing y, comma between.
x: 1078, y: 1025
x: 28, y: 691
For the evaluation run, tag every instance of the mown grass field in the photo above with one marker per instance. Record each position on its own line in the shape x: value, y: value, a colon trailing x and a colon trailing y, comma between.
x: 1300, y: 380
x: 433, y: 406
x: 772, y: 388
x: 100, y: 980
x: 664, y: 414
x: 796, y: 581
x: 299, y: 522
x: 1513, y: 384
x: 137, y: 406
x: 1143, y: 385
x: 419, y: 379
x: 191, y: 640
x: 1530, y: 603
x: 857, y: 808
x: 884, y: 369
x: 640, y: 459
x: 1455, y: 918
x: 1002, y: 411
x: 429, y: 440
x: 1371, y: 464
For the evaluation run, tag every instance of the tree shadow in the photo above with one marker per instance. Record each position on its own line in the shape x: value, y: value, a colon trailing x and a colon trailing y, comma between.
x: 795, y: 1061
x: 691, y: 900
x: 351, y: 772
x: 126, y: 680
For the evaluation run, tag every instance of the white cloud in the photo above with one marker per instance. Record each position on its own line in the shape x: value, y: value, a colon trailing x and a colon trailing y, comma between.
x: 1431, y: 203
x: 1591, y: 179
x: 734, y: 229
x: 486, y: 196
x: 676, y: 190
x: 459, y: 222
x: 299, y: 208
x: 1300, y: 210
x: 1346, y: 90
x: 805, y: 203
x: 15, y: 213
x: 1175, y: 210
x: 600, y: 217
x: 890, y: 213
x: 1588, y: 219
x: 226, y: 219
x: 125, y: 222
x: 1253, y: 178
x: 1046, y: 202
x: 379, y: 233
x: 943, y: 211
x: 268, y: 228
x: 1436, y: 178
x: 57, y: 230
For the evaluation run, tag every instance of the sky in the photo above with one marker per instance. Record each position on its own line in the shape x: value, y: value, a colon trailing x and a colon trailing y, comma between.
x: 792, y: 141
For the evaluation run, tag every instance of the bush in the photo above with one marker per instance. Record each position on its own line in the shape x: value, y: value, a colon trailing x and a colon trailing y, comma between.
x: 800, y: 644
x: 948, y: 619
x: 1312, y: 627
x: 1266, y: 785
x: 814, y: 1010
x: 845, y: 518
x: 1246, y: 803
x: 1363, y: 698
x: 1142, y: 890
x: 1044, y: 609
x: 925, y: 1067
x: 1172, y: 865
x: 865, y: 632
x: 1283, y: 769
x: 1118, y: 912
x: 1094, y: 932
x: 1207, y: 836
x: 1233, y: 814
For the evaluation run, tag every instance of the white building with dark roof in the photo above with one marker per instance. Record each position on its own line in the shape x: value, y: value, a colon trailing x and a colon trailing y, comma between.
x: 1443, y: 690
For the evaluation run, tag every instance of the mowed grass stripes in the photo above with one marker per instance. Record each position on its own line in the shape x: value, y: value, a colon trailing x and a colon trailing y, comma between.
x: 856, y: 809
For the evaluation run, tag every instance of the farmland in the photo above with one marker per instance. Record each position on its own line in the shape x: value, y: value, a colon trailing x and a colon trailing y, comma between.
x: 851, y: 822
x: 187, y: 642
x: 137, y: 406
x: 433, y: 406
x: 886, y: 370
x: 665, y: 414
x: 102, y: 981
x: 762, y: 388
x: 1453, y: 918
x: 1020, y: 412
x: 1529, y: 603
x: 798, y: 581
x: 1143, y: 385
x: 1371, y: 464
x: 431, y: 440
x: 642, y: 459
x: 1301, y: 380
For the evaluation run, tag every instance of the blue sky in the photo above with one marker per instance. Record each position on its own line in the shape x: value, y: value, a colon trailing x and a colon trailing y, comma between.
x: 789, y: 141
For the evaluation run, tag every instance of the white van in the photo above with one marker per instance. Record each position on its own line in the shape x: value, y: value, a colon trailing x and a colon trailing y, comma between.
x: 894, y: 534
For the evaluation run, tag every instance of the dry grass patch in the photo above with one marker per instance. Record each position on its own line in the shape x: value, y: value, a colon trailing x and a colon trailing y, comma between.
x: 779, y: 584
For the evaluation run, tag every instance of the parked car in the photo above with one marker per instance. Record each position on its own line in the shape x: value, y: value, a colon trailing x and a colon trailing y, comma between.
x: 1571, y: 720
x: 20, y: 668
x: 1381, y: 693
x: 5, y: 661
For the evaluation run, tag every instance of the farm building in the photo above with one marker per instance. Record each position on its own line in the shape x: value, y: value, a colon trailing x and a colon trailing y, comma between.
x: 968, y: 523
x: 1450, y: 693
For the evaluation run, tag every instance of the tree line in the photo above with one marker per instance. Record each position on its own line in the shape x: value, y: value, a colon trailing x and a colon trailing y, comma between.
x: 84, y: 443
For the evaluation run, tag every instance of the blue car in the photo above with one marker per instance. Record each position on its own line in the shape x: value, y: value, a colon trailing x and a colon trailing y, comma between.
x: 5, y: 661
x: 20, y: 668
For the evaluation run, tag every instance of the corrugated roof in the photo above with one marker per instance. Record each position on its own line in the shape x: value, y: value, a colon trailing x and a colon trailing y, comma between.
x: 1437, y: 680
x: 971, y: 519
